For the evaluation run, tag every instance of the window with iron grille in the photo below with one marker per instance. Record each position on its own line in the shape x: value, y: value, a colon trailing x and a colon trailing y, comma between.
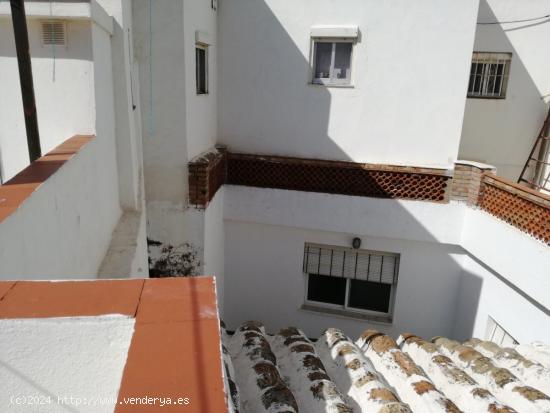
x: 349, y: 279
x: 201, y: 68
x: 332, y: 60
x: 54, y: 33
x: 489, y: 75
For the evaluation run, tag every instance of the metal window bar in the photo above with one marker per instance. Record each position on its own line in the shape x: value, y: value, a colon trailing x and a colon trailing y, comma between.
x: 489, y: 74
x: 373, y: 266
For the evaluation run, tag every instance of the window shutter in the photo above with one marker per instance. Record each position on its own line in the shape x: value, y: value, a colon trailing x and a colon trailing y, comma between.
x: 363, y: 265
x: 53, y: 33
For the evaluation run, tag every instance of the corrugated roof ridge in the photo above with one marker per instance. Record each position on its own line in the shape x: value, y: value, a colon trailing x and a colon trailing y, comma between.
x: 456, y: 384
x: 500, y: 381
x: 537, y: 351
x: 403, y: 374
x: 313, y: 388
x: 257, y: 375
x: 531, y: 373
x: 345, y: 361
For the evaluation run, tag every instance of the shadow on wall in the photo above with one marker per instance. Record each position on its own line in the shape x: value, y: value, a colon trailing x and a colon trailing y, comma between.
x: 304, y: 103
x: 501, y: 132
x: 311, y: 105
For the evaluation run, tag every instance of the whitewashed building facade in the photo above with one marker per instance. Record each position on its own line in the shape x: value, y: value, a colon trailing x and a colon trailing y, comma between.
x: 328, y: 162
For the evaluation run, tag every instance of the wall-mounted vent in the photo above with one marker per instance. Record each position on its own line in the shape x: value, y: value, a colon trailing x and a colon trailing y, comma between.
x: 54, y: 33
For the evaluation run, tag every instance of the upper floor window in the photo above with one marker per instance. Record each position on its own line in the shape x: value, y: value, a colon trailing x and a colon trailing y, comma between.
x: 356, y: 281
x: 332, y: 60
x: 201, y: 68
x: 489, y: 75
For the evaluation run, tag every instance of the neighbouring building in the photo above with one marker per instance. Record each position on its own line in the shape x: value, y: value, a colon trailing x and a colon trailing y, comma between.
x: 347, y: 163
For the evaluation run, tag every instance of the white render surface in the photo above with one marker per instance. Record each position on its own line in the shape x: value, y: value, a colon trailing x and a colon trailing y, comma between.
x: 53, y: 358
x: 458, y: 265
x: 263, y: 263
x: 64, y: 90
x: 501, y: 132
x: 80, y: 198
x: 402, y: 108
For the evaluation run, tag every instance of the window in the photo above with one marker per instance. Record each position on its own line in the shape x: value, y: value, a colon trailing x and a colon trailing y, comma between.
x: 332, y: 61
x: 54, y: 33
x: 498, y: 335
x: 489, y: 75
x: 355, y: 281
x: 201, y: 61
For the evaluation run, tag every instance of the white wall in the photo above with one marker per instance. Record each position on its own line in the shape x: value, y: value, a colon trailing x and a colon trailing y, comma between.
x: 388, y: 218
x: 201, y: 111
x: 64, y: 91
x: 501, y: 132
x: 162, y: 96
x: 483, y: 294
x: 64, y: 229
x: 127, y: 105
x: 214, y: 245
x: 459, y: 265
x: 410, y: 68
x: 264, y: 281
x: 514, y: 255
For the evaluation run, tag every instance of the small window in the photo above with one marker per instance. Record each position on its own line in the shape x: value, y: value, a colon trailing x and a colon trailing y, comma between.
x: 332, y: 61
x: 357, y: 281
x: 498, y: 335
x: 489, y: 75
x: 201, y: 62
x: 54, y: 33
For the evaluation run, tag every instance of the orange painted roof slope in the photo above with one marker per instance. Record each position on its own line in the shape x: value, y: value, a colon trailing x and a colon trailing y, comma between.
x: 175, y: 350
x: 15, y: 191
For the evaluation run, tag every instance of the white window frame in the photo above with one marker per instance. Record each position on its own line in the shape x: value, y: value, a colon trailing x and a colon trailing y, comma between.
x: 204, y: 47
x: 332, y: 80
x: 487, y: 58
x: 346, y: 308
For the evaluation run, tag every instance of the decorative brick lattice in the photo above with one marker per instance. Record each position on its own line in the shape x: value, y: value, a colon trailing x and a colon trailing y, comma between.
x: 333, y: 177
x: 521, y: 207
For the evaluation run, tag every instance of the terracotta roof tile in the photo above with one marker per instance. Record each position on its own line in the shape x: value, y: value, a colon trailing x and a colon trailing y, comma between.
x: 378, y: 374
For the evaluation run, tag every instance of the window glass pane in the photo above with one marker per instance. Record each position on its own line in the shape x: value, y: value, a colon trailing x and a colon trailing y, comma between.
x: 342, y: 61
x: 323, y: 58
x: 324, y: 289
x: 200, y: 61
x: 368, y: 295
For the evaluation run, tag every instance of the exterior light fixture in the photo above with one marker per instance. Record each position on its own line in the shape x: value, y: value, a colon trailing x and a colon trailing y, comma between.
x: 356, y: 243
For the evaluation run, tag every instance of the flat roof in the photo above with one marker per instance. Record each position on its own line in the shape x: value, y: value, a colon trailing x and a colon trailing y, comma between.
x: 112, y: 345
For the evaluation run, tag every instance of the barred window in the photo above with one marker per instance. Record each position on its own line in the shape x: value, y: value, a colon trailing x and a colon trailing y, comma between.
x: 349, y: 279
x: 489, y: 75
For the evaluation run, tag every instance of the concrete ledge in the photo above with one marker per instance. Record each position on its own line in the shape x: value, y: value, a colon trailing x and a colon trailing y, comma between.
x: 18, y: 189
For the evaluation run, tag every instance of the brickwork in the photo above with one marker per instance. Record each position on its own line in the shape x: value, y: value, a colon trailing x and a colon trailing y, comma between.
x: 466, y: 184
x: 521, y: 207
x: 346, y: 178
x: 472, y: 183
x: 207, y: 173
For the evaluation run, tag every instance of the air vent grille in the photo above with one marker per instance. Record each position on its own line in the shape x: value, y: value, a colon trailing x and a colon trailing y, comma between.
x: 54, y: 33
